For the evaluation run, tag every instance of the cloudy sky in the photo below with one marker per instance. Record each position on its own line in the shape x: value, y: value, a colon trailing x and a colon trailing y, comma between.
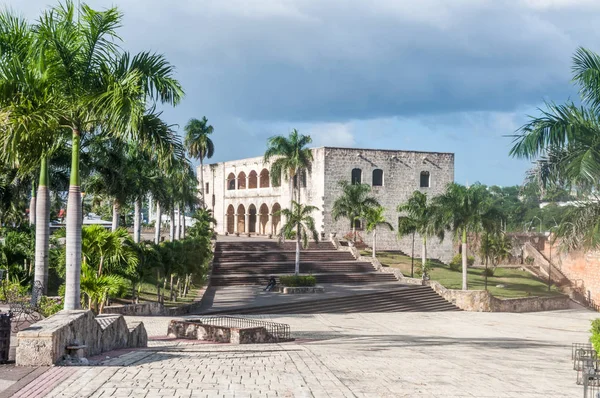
x: 434, y: 75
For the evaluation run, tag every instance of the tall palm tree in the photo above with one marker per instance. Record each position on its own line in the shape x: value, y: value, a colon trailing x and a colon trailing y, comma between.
x: 199, y: 146
x: 421, y: 214
x: 291, y: 158
x: 353, y: 203
x: 374, y: 218
x: 99, y: 85
x: 408, y: 225
x: 299, y: 222
x: 565, y: 142
x: 466, y: 210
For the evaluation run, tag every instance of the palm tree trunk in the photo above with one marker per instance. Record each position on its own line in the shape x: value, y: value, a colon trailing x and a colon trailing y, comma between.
x: 42, y: 227
x: 115, y: 216
x: 172, y: 224
x: 157, y: 286
x: 412, y: 258
x: 32, y: 204
x: 486, y: 272
x: 297, y: 267
x: 171, y: 288
x: 183, y: 224
x: 73, y: 238
x: 137, y: 220
x: 464, y: 259
x: 157, y: 223
x: 178, y: 231
x: 424, y: 254
x: 202, y: 188
x: 374, y: 242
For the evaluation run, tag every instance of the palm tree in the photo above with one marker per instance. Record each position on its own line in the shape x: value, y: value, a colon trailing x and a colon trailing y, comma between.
x: 420, y: 219
x: 466, y: 210
x: 565, y: 140
x: 99, y: 84
x: 199, y: 145
x: 408, y: 225
x: 291, y: 159
x: 299, y: 222
x: 374, y: 218
x: 353, y: 203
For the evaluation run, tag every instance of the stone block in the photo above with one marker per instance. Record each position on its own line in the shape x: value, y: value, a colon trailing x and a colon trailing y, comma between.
x: 299, y: 289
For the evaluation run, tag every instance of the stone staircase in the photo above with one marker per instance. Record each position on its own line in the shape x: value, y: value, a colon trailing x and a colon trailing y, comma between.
x: 400, y: 299
x: 252, y: 263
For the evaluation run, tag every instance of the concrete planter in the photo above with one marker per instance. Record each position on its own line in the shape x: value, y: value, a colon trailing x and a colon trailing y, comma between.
x: 299, y: 289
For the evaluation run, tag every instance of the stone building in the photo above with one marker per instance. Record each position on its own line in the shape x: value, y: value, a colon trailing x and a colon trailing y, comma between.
x: 243, y: 199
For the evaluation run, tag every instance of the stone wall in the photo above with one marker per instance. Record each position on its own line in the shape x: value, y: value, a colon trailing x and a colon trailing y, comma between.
x: 401, y: 177
x: 44, y: 343
x: 142, y: 309
x: 195, y: 330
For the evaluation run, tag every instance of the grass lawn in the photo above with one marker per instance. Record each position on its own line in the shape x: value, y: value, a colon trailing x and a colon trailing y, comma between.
x: 517, y: 283
x: 148, y: 293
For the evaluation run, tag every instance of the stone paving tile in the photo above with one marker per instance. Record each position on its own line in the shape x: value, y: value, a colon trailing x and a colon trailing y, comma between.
x: 356, y: 355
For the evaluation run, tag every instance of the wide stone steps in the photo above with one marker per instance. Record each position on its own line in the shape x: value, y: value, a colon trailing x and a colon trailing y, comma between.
x: 282, y: 256
x: 287, y: 268
x: 244, y: 279
x: 261, y: 246
x: 402, y: 299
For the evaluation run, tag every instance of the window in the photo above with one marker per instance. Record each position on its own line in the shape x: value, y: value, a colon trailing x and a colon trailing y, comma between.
x: 231, y: 182
x: 241, y: 180
x: 425, y: 179
x: 357, y: 225
x: 356, y: 176
x: 377, y: 178
x: 206, y: 189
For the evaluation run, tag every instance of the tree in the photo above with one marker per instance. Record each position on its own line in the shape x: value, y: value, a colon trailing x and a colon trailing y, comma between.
x: 300, y: 223
x: 420, y: 218
x: 100, y: 85
x: 565, y: 142
x: 374, y: 218
x: 353, y: 203
x: 465, y: 210
x: 407, y: 225
x: 199, y: 146
x: 204, y: 223
x: 291, y: 159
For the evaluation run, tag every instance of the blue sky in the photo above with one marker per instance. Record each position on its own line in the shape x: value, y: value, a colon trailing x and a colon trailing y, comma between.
x: 435, y: 75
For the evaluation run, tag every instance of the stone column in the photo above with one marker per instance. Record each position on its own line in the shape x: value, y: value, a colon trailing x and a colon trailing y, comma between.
x: 268, y: 226
x: 236, y: 222
x: 247, y: 222
x: 248, y: 182
x: 257, y: 224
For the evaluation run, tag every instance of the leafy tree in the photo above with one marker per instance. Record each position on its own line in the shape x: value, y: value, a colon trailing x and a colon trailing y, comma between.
x: 466, y: 210
x: 291, y: 159
x: 408, y: 225
x: 199, y: 146
x: 353, y: 203
x: 374, y: 218
x: 420, y: 218
x: 300, y: 223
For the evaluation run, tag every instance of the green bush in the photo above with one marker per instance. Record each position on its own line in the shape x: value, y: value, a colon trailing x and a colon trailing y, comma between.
x: 419, y: 268
x: 49, y: 307
x: 297, y: 280
x: 595, y: 330
x: 488, y: 271
x: 456, y: 263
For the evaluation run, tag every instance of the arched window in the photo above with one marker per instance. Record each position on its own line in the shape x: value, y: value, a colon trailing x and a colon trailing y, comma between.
x: 357, y: 224
x: 425, y: 179
x: 252, y: 180
x: 241, y: 180
x: 231, y: 182
x: 377, y: 178
x: 264, y: 178
x: 356, y: 176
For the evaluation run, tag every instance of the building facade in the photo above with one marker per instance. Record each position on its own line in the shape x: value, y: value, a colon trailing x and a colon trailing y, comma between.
x: 243, y: 199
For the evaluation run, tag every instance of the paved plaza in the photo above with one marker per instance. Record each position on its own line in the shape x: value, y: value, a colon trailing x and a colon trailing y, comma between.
x: 451, y: 354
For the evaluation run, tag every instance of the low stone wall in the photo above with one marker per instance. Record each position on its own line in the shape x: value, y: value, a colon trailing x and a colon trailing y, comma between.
x: 142, y: 309
x: 44, y: 343
x: 195, y: 330
x: 299, y: 289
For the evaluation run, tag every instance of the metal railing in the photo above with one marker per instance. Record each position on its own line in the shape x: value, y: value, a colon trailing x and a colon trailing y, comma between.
x: 280, y: 332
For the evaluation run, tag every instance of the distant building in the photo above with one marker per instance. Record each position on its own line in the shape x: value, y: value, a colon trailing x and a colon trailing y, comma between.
x: 242, y: 199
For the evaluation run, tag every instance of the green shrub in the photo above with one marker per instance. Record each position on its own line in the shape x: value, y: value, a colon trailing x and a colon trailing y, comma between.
x: 49, y: 307
x: 529, y: 260
x: 297, y: 280
x: 456, y: 263
x: 419, y: 268
x: 595, y: 330
x: 488, y: 271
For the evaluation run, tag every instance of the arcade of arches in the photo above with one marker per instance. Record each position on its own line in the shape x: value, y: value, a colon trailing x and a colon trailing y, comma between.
x: 261, y: 221
x: 250, y: 181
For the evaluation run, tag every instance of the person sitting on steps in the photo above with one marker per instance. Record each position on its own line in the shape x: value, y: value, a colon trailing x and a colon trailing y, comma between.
x: 271, y: 285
